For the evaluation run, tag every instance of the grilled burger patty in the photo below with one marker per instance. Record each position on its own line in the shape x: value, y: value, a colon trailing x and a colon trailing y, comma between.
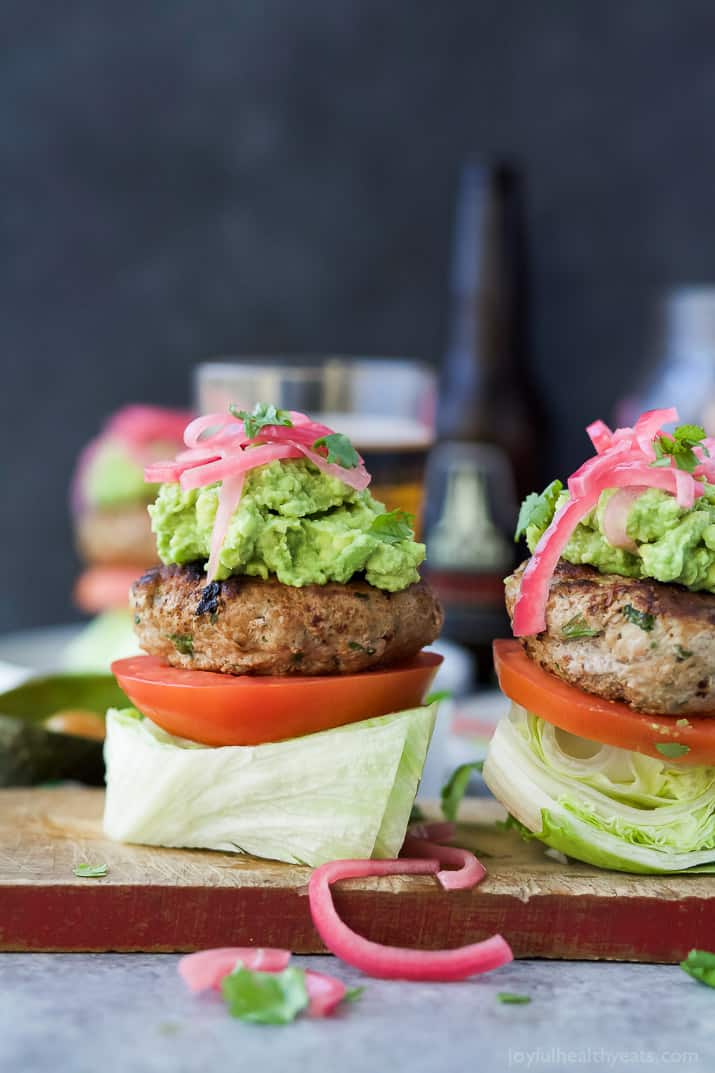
x: 246, y: 625
x: 648, y: 644
x: 118, y: 536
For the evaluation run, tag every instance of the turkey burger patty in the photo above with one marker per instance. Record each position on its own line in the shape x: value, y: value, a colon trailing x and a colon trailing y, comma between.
x: 642, y: 642
x: 246, y: 625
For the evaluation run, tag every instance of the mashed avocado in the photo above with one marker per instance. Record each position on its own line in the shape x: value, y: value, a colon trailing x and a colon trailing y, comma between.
x: 114, y: 479
x: 293, y: 521
x: 673, y: 545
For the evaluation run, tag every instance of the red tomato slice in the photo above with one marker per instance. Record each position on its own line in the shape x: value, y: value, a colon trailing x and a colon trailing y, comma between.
x: 682, y: 739
x: 104, y: 588
x: 226, y: 709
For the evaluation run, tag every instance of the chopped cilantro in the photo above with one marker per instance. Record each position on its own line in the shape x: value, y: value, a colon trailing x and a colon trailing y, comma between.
x: 353, y: 994
x: 509, y: 998
x: 392, y: 527
x: 356, y: 647
x: 701, y: 965
x: 643, y: 619
x: 437, y: 696
x: 340, y: 450
x: 266, y: 998
x: 678, y: 448
x: 456, y: 786
x: 263, y: 414
x: 681, y: 654
x: 90, y: 871
x: 672, y: 749
x: 578, y: 627
x: 182, y: 642
x: 538, y: 509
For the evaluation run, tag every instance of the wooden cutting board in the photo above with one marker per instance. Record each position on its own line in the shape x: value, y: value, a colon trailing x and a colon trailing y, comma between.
x: 166, y: 900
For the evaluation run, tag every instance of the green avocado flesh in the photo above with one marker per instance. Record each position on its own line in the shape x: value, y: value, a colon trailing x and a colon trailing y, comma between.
x: 672, y: 544
x: 29, y: 752
x: 294, y: 522
x: 114, y: 479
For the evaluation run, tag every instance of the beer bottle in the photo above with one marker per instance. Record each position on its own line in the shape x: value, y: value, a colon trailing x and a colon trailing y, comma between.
x: 485, y: 448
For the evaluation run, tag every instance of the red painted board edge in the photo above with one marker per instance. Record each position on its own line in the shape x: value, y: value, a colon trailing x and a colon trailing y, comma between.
x: 164, y: 919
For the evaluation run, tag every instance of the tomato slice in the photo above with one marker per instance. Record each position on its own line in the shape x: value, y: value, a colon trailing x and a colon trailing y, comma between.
x: 682, y: 739
x: 226, y: 709
x: 104, y: 588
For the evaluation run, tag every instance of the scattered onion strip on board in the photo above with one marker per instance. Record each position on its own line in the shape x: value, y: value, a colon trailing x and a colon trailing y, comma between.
x: 393, y: 962
x: 218, y: 449
x: 206, y: 969
x: 623, y: 460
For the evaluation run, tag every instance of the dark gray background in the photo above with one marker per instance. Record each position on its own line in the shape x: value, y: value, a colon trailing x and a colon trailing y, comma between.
x: 180, y: 179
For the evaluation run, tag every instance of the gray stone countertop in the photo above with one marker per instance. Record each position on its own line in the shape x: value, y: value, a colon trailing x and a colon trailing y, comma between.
x: 79, y: 1013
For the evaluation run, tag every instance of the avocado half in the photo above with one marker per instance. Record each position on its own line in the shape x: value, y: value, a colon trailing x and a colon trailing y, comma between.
x: 29, y: 752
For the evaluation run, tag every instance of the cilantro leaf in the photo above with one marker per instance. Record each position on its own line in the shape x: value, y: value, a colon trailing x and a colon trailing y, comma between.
x: 393, y: 526
x: 264, y: 413
x: 644, y: 619
x: 353, y: 994
x: 678, y: 448
x: 266, y: 998
x: 340, y: 450
x: 182, y: 642
x: 672, y: 749
x: 578, y: 627
x: 511, y: 999
x: 438, y: 696
x: 538, y: 509
x: 701, y: 965
x: 456, y: 786
x: 90, y: 871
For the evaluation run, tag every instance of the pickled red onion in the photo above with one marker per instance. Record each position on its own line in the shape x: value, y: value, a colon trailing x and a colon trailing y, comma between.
x: 207, y: 968
x: 464, y: 871
x: 228, y: 499
x: 623, y: 460
x: 219, y: 450
x: 600, y: 435
x: 392, y: 962
x: 138, y: 425
x: 651, y: 421
x: 615, y: 517
x: 325, y: 993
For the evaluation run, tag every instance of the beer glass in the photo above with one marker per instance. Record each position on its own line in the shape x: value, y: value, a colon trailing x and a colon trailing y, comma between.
x: 385, y: 405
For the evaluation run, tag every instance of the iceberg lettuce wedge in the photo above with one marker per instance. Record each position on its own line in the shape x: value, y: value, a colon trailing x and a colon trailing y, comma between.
x: 338, y: 794
x: 607, y: 806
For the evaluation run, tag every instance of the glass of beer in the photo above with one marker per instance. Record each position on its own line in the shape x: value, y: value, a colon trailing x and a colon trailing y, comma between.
x: 386, y: 406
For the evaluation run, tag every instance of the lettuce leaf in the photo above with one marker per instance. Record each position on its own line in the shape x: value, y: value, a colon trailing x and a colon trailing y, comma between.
x: 107, y: 637
x: 342, y: 793
x: 607, y: 806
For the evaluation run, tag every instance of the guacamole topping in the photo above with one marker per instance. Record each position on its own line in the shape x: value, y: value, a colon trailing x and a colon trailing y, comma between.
x: 292, y: 521
x: 671, y: 544
x: 110, y: 470
x: 114, y: 479
x: 641, y: 506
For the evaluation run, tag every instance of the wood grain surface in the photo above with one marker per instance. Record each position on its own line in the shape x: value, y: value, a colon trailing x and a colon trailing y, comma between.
x: 166, y: 900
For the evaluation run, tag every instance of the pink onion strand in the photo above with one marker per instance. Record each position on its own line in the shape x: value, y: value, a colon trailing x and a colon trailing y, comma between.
x: 392, y: 962
x: 219, y: 450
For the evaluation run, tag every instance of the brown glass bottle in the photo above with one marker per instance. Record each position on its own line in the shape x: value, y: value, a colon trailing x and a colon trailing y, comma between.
x: 484, y: 457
